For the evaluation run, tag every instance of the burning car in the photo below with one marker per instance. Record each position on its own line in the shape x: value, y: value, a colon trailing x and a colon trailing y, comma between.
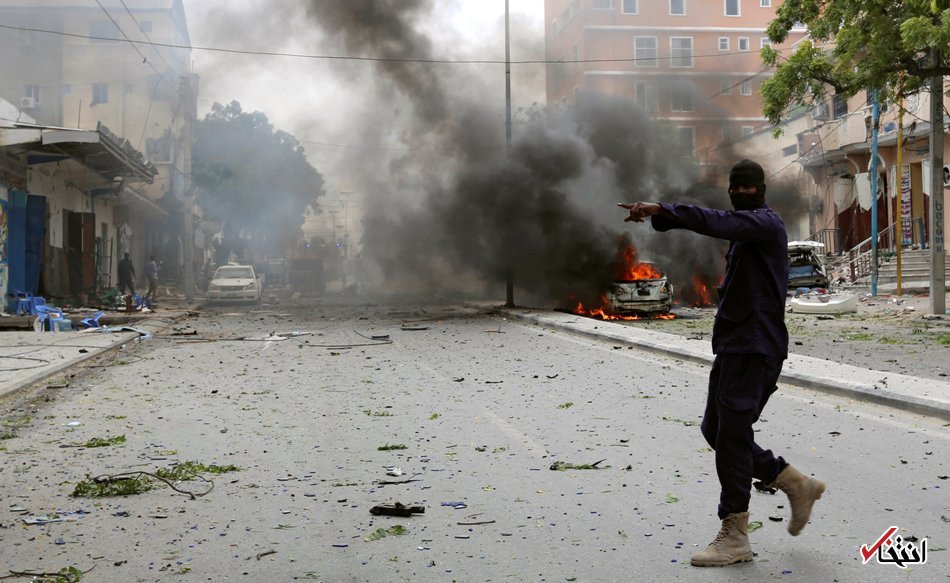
x: 234, y: 282
x: 806, y: 264
x: 644, y: 288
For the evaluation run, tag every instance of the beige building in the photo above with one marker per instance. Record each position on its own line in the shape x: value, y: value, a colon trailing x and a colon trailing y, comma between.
x: 123, y: 66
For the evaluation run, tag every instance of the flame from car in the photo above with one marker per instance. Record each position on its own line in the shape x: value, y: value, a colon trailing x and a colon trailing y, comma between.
x: 701, y: 296
x: 629, y: 268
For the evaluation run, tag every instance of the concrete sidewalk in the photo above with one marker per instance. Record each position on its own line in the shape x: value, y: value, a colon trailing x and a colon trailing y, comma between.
x: 31, y: 357
x: 918, y: 395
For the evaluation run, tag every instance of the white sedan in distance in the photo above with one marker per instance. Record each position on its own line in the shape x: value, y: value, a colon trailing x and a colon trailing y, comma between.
x: 235, y: 283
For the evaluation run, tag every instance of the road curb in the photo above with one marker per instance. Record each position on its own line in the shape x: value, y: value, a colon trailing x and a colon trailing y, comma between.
x: 154, y: 325
x: 857, y: 391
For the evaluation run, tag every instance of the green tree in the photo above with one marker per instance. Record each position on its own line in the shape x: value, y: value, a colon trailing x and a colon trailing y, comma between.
x: 855, y: 45
x: 253, y: 178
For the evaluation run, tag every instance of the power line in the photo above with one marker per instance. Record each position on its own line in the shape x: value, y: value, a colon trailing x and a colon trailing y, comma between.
x: 145, y: 34
x: 366, y: 59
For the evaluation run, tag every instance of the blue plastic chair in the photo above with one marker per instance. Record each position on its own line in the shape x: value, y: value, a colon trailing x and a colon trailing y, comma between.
x: 48, y: 315
x: 26, y: 303
x: 93, y: 320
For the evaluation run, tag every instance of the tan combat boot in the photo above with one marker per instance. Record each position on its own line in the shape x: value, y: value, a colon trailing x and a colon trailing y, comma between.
x: 730, y: 546
x: 802, y: 492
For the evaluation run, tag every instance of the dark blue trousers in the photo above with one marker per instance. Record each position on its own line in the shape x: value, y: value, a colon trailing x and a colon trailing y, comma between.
x: 739, y: 387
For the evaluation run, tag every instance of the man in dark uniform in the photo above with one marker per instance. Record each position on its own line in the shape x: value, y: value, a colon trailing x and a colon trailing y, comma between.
x: 750, y: 342
x: 126, y: 275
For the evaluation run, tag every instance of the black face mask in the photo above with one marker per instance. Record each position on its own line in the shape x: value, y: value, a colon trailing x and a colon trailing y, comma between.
x: 746, y: 201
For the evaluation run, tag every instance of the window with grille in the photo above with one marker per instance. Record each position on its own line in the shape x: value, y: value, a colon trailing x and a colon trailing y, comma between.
x: 645, y: 51
x: 681, y: 51
x: 681, y: 97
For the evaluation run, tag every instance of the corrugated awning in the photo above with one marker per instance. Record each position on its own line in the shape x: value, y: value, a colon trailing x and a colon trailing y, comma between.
x: 100, y: 150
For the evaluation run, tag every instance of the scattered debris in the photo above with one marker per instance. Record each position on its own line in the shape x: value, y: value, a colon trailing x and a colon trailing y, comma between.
x: 98, y: 442
x: 396, y: 530
x: 396, y: 509
x: 754, y: 525
x: 64, y: 575
x: 562, y: 466
x: 567, y: 405
x: 763, y: 487
x: 394, y: 446
x: 265, y: 553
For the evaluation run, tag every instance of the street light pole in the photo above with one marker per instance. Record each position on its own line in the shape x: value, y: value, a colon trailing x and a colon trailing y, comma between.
x: 509, y: 271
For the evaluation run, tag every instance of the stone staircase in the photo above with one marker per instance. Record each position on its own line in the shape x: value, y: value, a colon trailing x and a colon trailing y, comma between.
x: 915, y: 272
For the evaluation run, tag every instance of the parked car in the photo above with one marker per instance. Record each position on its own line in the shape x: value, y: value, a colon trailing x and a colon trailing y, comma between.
x: 806, y: 265
x: 234, y: 282
x: 651, y: 292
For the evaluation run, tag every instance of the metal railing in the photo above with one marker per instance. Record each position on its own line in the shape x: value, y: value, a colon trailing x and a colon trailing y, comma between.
x: 830, y: 238
x: 859, y: 256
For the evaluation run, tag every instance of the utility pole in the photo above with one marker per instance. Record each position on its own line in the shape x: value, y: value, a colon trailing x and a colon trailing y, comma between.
x: 874, y: 124
x: 509, y: 270
x: 938, y: 289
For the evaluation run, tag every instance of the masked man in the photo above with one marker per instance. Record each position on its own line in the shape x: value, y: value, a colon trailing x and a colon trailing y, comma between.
x: 750, y: 342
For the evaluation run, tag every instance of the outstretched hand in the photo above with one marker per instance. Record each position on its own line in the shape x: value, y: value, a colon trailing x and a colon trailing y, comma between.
x: 640, y: 210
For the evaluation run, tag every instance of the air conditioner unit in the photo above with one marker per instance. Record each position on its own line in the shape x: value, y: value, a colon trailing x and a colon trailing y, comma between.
x: 27, y: 103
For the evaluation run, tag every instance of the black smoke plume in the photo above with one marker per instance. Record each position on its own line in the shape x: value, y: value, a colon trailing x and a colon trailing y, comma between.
x: 458, y: 211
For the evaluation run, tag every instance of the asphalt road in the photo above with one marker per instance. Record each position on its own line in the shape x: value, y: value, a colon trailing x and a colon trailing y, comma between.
x: 484, y: 407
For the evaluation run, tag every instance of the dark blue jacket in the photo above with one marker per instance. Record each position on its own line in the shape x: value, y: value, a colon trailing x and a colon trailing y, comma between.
x: 751, y: 315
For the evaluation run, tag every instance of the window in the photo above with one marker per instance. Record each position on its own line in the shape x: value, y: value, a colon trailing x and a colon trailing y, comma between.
x: 100, y: 93
x: 726, y: 133
x: 681, y: 98
x: 103, y: 31
x: 677, y: 7
x: 743, y: 43
x: 646, y: 97
x: 746, y: 87
x: 732, y: 7
x: 602, y: 4
x: 765, y: 3
x: 681, y: 51
x: 724, y: 43
x: 630, y: 7
x: 764, y: 42
x: 32, y: 92
x: 645, y: 51
x: 746, y: 131
x: 559, y: 72
x: 688, y: 137
x: 839, y: 106
x: 725, y: 87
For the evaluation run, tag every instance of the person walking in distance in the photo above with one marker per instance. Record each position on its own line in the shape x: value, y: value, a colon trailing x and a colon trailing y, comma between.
x: 126, y: 275
x: 750, y: 343
x: 151, y: 272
